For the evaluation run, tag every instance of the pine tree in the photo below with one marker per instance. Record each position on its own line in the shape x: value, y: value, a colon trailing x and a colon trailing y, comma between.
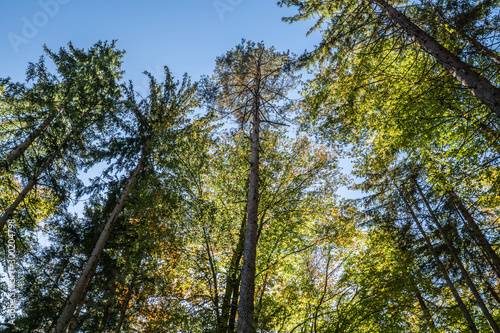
x: 250, y: 83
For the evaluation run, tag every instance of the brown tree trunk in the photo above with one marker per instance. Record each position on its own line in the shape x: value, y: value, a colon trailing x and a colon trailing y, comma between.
x: 31, y: 183
x: 110, y: 302
x: 470, y: 79
x: 485, y: 280
x: 126, y: 301
x: 82, y: 282
x: 20, y: 149
x: 427, y: 314
x: 74, y: 320
x: 214, y: 277
x: 458, y: 261
x: 481, y: 239
x: 231, y: 279
x: 485, y: 50
x: 442, y: 268
x: 247, y: 288
x: 234, y: 305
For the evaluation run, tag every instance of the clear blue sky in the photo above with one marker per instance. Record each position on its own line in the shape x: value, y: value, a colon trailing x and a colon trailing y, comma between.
x: 186, y: 35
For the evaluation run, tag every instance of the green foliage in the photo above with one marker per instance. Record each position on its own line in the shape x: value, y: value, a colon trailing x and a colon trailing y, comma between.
x: 324, y: 263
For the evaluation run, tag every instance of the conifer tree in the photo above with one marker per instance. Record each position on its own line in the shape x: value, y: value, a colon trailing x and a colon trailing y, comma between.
x: 65, y: 111
x: 251, y: 83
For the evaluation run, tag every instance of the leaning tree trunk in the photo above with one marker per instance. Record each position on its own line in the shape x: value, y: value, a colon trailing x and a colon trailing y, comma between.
x: 483, y: 48
x: 247, y: 288
x: 425, y: 309
x: 74, y: 320
x: 77, y: 294
x: 470, y: 79
x: 126, y: 301
x: 31, y: 183
x: 111, y: 300
x: 214, y: 276
x: 442, y: 268
x: 477, y: 233
x: 21, y: 148
x: 459, y: 263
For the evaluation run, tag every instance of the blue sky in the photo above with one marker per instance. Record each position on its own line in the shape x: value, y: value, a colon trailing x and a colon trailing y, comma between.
x: 186, y: 35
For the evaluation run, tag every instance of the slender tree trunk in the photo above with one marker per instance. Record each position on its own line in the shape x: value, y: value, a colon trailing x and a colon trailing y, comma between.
x: 470, y: 79
x: 31, y: 183
x: 20, y: 149
x: 481, y: 239
x: 110, y: 302
x: 442, y: 268
x: 247, y: 288
x: 485, y: 50
x: 232, y: 278
x: 126, y: 301
x: 234, y: 305
x: 260, y: 290
x: 490, y: 135
x: 323, y: 295
x: 459, y: 263
x: 427, y: 314
x: 74, y: 320
x: 214, y: 277
x: 485, y: 280
x: 77, y: 293
x: 491, y: 290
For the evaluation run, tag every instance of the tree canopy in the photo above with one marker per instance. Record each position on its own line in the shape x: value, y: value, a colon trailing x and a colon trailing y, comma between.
x: 220, y: 205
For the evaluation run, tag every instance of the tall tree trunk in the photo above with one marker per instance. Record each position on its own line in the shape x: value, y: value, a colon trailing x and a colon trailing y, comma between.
x: 232, y: 278
x: 234, y: 305
x: 126, y: 301
x: 323, y: 295
x: 485, y: 50
x: 262, y: 290
x: 110, y: 302
x: 442, y: 268
x: 491, y: 135
x: 470, y: 79
x: 481, y: 239
x: 74, y: 320
x: 20, y: 149
x: 247, y: 288
x: 458, y: 261
x: 427, y: 314
x: 82, y: 282
x: 485, y: 279
x: 31, y: 183
x: 214, y: 277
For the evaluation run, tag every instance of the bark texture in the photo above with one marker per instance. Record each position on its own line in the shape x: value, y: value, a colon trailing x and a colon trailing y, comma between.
x: 470, y: 79
x: 77, y: 294
x: 246, y: 306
